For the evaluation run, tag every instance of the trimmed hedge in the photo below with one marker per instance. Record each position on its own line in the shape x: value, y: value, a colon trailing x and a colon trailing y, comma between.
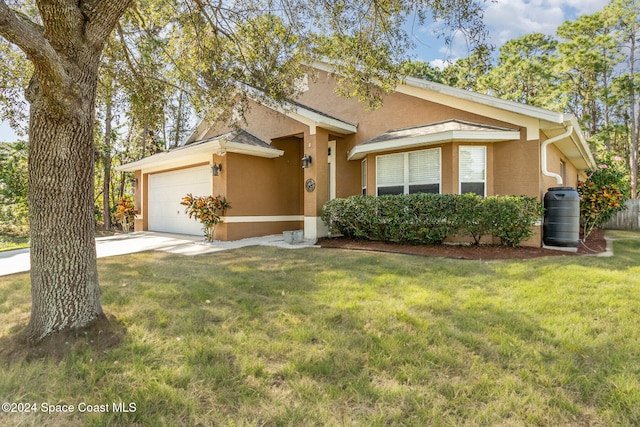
x: 430, y: 218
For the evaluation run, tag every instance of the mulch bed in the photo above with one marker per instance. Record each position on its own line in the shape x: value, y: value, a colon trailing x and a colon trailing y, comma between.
x: 594, y: 244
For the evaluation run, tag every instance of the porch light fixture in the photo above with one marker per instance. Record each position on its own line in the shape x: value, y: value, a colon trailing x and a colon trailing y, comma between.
x: 133, y: 182
x: 216, y: 168
x: 306, y: 161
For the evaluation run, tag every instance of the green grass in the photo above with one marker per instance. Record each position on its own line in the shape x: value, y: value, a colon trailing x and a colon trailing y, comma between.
x: 11, y: 242
x: 18, y: 238
x: 265, y: 336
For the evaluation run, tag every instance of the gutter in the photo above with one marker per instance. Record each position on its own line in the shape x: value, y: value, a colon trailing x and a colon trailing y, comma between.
x: 543, y: 153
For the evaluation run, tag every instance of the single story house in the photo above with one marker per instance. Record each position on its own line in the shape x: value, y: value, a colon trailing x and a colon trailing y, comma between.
x: 279, y: 167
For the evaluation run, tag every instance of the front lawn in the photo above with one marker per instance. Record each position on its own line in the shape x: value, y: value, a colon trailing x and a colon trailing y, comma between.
x: 267, y: 336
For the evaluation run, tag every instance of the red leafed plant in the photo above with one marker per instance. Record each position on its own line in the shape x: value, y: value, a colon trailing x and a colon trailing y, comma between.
x: 125, y: 213
x: 208, y: 210
x: 602, y: 195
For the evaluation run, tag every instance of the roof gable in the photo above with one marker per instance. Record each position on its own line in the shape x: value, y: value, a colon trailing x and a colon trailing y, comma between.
x: 236, y: 141
x: 433, y: 133
x: 537, y: 122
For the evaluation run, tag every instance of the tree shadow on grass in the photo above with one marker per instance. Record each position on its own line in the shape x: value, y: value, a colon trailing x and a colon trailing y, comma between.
x: 104, y: 334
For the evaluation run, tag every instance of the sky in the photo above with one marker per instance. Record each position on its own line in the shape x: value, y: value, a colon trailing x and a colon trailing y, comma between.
x: 505, y: 20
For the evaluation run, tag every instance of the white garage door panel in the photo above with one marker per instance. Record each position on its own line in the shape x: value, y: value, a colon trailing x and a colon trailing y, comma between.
x: 167, y: 189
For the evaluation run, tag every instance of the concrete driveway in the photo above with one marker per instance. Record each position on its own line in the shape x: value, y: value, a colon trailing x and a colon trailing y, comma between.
x: 18, y: 261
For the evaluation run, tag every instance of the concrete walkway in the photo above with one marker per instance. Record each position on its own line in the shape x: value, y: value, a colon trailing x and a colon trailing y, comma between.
x: 18, y: 261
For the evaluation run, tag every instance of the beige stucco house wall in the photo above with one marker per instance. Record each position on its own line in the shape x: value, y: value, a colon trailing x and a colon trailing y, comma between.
x: 354, y: 150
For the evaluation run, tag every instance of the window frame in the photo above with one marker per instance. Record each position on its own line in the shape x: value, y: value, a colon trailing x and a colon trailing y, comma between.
x: 460, y: 178
x: 364, y: 173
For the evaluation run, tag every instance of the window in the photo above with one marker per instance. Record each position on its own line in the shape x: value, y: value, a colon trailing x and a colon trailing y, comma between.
x: 424, y: 171
x: 563, y: 168
x: 408, y: 173
x: 472, y: 170
x: 363, y: 175
x: 390, y: 174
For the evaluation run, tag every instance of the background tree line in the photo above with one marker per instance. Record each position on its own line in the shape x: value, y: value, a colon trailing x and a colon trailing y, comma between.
x: 589, y: 68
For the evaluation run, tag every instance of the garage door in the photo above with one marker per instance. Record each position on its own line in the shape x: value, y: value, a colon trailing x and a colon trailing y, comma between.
x: 167, y: 189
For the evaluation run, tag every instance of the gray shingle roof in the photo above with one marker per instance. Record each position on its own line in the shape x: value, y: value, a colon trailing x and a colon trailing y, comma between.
x: 240, y: 136
x: 433, y: 129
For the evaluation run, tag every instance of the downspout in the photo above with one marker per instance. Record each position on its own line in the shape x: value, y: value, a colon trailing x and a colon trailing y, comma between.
x: 543, y: 154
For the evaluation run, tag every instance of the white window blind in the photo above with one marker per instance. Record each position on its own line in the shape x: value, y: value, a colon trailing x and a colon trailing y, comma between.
x: 424, y: 167
x: 390, y: 170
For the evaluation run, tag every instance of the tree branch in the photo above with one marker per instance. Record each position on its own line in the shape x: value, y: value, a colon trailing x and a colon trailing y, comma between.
x: 29, y: 37
x: 102, y: 17
x: 138, y: 75
x: 63, y: 23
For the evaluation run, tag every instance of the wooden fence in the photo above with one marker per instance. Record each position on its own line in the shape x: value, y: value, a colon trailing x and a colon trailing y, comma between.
x: 626, y: 220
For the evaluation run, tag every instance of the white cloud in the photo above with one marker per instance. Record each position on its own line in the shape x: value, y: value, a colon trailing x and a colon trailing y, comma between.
x: 587, y: 7
x: 508, y: 19
x: 440, y: 64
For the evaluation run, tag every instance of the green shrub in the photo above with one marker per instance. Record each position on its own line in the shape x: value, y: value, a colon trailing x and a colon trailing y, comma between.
x: 13, y: 188
x: 510, y: 218
x: 468, y: 217
x: 14, y: 219
x: 431, y: 218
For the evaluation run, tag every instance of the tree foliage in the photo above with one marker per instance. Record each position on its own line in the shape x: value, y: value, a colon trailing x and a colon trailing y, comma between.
x: 13, y: 172
x: 524, y: 71
x: 14, y: 77
x: 13, y: 186
x: 421, y: 70
x: 466, y: 73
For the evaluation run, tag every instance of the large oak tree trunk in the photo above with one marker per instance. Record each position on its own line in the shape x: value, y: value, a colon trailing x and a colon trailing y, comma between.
x: 65, y: 49
x: 64, y: 277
